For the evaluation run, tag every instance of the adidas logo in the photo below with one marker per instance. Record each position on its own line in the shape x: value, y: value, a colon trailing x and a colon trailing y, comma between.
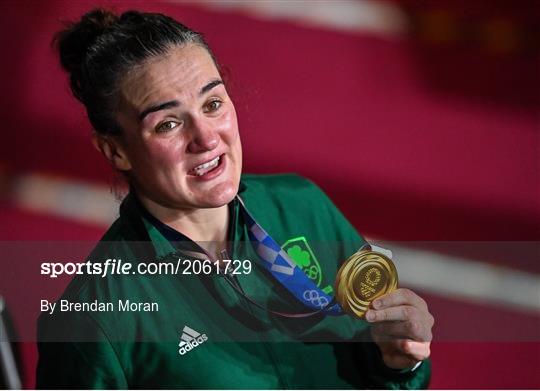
x: 190, y: 339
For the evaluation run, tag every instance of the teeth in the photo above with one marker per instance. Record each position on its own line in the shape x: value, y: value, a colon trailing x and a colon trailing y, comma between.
x: 204, y: 168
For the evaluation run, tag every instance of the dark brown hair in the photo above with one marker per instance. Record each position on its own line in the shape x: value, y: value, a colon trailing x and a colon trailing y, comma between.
x: 101, y: 48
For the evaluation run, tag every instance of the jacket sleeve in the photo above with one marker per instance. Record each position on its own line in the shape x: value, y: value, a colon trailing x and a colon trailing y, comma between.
x: 378, y: 375
x: 360, y: 364
x: 75, y: 353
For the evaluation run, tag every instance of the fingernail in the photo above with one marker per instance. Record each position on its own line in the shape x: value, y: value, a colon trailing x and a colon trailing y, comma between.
x: 370, y: 315
x: 377, y: 303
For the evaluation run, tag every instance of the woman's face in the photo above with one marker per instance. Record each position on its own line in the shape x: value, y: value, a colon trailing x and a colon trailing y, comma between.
x: 181, y: 137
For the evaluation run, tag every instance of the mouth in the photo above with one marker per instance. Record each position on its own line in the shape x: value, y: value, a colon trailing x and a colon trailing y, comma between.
x: 208, y: 169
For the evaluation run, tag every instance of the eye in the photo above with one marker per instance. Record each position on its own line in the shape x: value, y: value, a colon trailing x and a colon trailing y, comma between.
x: 212, y: 106
x: 166, y: 126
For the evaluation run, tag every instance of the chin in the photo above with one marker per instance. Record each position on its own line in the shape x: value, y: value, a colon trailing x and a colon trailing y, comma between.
x: 219, y: 195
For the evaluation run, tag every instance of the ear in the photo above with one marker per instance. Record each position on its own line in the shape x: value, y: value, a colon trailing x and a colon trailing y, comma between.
x: 112, y: 150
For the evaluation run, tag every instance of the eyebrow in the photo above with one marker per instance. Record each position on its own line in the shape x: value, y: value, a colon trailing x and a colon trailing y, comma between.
x: 175, y: 103
x: 209, y: 86
x: 161, y: 106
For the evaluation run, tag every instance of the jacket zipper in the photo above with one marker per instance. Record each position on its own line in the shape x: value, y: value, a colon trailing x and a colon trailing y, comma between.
x: 266, y: 345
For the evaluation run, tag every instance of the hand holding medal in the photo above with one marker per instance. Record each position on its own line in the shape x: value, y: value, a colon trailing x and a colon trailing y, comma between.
x: 366, y: 287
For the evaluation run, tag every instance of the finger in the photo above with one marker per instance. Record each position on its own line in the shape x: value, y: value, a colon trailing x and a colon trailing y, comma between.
x: 416, y: 350
x: 401, y: 296
x: 381, y: 335
x: 407, y: 329
x: 400, y: 313
x: 407, y: 349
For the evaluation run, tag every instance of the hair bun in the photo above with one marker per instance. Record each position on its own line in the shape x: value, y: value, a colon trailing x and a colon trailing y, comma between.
x: 74, y: 42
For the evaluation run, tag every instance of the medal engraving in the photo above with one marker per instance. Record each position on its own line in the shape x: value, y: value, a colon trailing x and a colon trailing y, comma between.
x: 362, y: 278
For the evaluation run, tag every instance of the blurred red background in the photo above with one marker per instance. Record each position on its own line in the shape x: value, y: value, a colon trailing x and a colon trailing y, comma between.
x: 429, y: 135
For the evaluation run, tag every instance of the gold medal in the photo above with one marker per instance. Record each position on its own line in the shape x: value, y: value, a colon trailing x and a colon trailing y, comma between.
x: 362, y: 278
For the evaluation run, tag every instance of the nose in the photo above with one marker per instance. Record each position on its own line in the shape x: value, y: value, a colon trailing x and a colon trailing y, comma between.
x: 204, y: 136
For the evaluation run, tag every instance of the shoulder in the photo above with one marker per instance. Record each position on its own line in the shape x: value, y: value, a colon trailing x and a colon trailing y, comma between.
x: 111, y: 245
x: 283, y: 188
x: 114, y: 232
x: 284, y: 181
x: 293, y: 205
x: 93, y: 282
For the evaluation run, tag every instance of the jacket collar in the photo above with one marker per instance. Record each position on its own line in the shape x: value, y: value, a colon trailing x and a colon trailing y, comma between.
x: 152, y: 237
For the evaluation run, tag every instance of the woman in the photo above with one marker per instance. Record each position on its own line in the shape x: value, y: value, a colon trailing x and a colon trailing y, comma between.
x: 162, y: 117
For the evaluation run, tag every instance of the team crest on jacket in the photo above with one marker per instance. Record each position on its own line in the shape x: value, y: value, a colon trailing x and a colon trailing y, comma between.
x: 302, y: 254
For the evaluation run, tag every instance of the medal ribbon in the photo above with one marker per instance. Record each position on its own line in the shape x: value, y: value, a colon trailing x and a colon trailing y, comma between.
x: 285, y: 270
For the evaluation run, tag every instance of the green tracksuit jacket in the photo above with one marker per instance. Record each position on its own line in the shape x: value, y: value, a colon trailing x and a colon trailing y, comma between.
x: 239, y: 344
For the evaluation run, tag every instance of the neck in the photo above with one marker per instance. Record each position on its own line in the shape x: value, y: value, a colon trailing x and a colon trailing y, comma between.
x: 206, y: 226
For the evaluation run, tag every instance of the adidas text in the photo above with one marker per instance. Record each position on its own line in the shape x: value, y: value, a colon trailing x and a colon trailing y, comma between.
x: 190, y: 340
